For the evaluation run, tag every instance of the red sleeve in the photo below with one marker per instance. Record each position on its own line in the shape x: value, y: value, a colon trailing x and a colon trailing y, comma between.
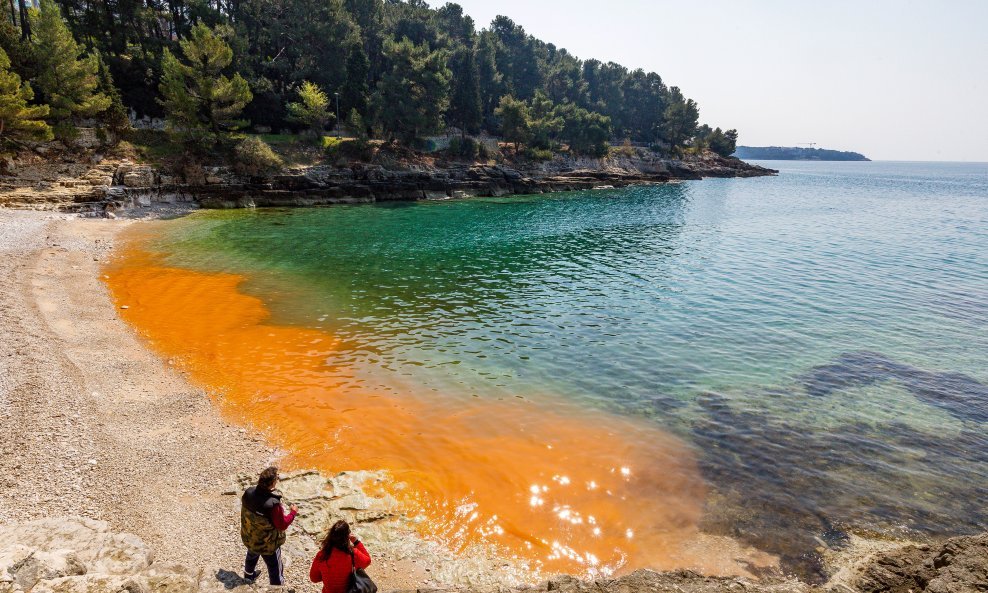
x: 361, y: 558
x: 281, y: 522
x: 315, y: 574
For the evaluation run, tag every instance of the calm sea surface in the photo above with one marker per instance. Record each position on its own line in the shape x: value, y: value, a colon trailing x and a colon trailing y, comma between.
x: 820, y: 338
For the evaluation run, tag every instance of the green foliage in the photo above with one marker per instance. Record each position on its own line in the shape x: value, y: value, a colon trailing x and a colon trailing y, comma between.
x: 252, y: 156
x: 723, y: 143
x: 679, y: 119
x: 115, y: 117
x: 408, y: 69
x: 539, y: 154
x: 516, y: 120
x: 625, y: 150
x: 313, y: 110
x: 586, y: 132
x: 546, y: 122
x: 413, y: 95
x: 356, y: 149
x: 465, y: 148
x: 202, y: 104
x: 714, y: 139
x: 68, y: 79
x: 19, y: 121
x: 465, y: 107
x: 356, y: 125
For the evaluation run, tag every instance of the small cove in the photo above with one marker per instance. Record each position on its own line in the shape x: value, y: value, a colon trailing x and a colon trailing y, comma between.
x: 781, y: 360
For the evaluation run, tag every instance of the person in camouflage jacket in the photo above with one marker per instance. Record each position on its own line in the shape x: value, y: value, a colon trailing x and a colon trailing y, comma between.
x: 263, y: 523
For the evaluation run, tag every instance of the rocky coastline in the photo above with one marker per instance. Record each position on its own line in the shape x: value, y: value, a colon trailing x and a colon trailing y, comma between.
x: 75, y: 554
x: 104, y: 184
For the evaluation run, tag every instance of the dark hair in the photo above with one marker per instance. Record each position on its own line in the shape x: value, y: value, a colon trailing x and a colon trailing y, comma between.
x: 338, y: 538
x: 268, y: 478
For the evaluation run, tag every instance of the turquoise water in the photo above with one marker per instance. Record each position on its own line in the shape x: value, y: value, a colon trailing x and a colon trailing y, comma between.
x: 820, y: 336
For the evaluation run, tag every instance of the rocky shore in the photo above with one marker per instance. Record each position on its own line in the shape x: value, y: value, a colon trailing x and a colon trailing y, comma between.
x: 76, y: 555
x: 112, y: 184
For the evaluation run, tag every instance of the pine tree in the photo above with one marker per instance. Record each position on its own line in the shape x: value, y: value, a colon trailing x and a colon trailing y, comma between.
x: 68, y: 78
x: 413, y: 95
x: 18, y: 120
x: 202, y: 104
x: 115, y: 117
x: 679, y: 120
x: 465, y: 110
x: 313, y: 111
x: 516, y: 120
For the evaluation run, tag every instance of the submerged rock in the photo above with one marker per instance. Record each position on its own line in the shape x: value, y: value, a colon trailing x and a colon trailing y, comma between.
x: 959, y: 395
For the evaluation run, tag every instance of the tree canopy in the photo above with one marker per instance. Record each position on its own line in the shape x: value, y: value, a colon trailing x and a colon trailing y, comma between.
x: 403, y: 68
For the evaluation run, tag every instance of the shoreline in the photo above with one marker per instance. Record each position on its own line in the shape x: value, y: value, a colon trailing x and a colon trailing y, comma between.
x: 97, y: 425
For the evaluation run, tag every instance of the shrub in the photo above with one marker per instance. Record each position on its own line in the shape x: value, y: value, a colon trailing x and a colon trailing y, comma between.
x: 539, y: 154
x: 252, y: 156
x: 357, y: 149
x: 625, y: 150
x: 466, y: 148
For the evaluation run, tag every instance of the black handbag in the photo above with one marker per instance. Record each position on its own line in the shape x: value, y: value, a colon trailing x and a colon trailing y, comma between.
x: 359, y: 581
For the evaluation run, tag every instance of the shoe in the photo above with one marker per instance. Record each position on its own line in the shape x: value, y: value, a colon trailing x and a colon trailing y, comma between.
x: 250, y: 578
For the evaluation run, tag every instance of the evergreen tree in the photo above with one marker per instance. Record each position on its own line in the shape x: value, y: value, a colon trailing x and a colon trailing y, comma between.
x: 202, y: 104
x: 679, y: 119
x: 68, y: 80
x: 490, y: 80
x: 464, y: 107
x: 586, y: 132
x: 546, y: 123
x: 356, y: 91
x: 18, y: 120
x: 516, y: 120
x: 115, y: 116
x: 313, y: 111
x: 414, y: 94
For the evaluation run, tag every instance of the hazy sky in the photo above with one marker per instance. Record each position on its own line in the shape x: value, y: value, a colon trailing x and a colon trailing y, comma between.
x: 895, y: 80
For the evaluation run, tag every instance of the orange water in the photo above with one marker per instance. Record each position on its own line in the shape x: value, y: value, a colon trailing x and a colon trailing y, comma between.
x: 572, y: 489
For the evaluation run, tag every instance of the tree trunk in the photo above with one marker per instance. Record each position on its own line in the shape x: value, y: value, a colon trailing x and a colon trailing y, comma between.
x: 25, y: 21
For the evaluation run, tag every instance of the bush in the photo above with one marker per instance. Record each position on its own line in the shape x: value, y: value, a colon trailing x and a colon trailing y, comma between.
x: 625, y: 150
x: 539, y: 154
x: 252, y: 156
x: 357, y: 149
x: 466, y: 148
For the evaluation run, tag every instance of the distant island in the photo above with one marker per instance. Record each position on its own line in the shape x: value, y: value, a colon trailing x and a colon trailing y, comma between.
x: 791, y: 153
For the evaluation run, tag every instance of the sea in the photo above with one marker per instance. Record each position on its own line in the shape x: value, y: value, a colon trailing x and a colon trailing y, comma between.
x: 588, y: 379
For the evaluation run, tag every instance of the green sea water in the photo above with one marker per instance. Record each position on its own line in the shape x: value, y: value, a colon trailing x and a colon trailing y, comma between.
x: 821, y: 337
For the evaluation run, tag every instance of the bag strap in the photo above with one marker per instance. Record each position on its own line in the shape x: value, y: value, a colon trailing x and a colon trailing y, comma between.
x: 353, y: 563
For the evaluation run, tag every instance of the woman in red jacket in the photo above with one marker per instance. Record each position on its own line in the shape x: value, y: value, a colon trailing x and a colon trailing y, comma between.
x: 340, y: 553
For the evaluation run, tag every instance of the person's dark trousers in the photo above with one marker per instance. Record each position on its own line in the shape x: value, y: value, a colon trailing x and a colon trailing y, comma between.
x: 272, y: 561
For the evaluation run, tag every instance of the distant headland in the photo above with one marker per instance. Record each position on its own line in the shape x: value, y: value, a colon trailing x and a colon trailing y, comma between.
x: 791, y: 153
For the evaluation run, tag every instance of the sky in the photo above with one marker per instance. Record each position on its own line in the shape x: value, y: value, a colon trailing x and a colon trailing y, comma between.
x: 894, y: 80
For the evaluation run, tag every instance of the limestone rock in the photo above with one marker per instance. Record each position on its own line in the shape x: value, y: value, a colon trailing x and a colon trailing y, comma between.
x: 141, y: 176
x: 959, y: 565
